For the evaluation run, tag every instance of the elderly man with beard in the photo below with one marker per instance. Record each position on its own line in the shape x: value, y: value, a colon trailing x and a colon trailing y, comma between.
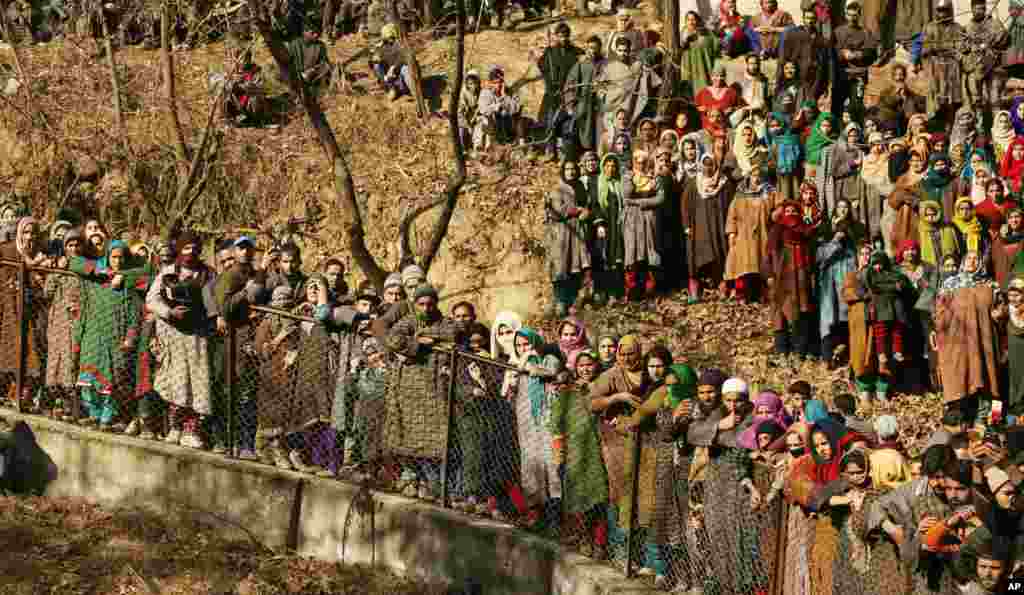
x: 990, y: 569
x: 412, y: 277
x: 181, y: 300
x: 907, y: 513
x: 417, y: 411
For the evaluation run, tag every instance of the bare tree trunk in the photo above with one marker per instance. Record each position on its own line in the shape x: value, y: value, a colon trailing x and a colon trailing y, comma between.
x: 170, y: 91
x: 670, y: 63
x: 115, y: 83
x: 410, y: 59
x: 6, y: 30
x: 342, y: 175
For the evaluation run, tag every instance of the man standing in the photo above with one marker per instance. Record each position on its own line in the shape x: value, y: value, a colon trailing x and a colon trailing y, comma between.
x: 981, y: 53
x: 754, y: 92
x: 554, y: 64
x: 812, y: 52
x: 768, y: 26
x: 857, y: 49
x: 580, y: 94
x: 628, y: 85
x: 181, y: 300
x: 938, y: 57
x: 308, y: 59
x: 290, y: 271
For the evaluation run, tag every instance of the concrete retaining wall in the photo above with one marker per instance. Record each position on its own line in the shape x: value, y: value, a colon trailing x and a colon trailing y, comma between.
x: 320, y: 518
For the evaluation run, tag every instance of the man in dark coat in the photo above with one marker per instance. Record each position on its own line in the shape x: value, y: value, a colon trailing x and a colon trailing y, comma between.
x: 856, y: 50
x: 813, y: 53
x: 555, y: 64
x: 580, y: 94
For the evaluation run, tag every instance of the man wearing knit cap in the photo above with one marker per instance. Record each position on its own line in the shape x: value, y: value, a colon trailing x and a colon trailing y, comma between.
x: 412, y: 277
x: 393, y: 291
x: 990, y: 566
x: 181, y: 298
x: 416, y: 398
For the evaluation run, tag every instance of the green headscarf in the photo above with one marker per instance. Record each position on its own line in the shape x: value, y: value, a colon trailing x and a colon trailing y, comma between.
x: 535, y: 390
x: 685, y: 386
x: 817, y: 141
x: 606, y: 185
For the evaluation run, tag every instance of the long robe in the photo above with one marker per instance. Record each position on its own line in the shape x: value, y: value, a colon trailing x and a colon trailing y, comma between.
x: 942, y: 66
x: 749, y: 218
x: 968, y: 349
x: 569, y: 235
x: 585, y: 484
x: 554, y: 65
x: 641, y: 222
x: 540, y: 480
x: 62, y: 292
x: 835, y: 260
x: 814, y: 56
x: 704, y: 224
x: 790, y: 260
x: 698, y: 60
x: 613, y: 444
x: 862, y: 345
x: 10, y: 317
x: 580, y: 92
x: 1015, y: 348
x: 275, y: 416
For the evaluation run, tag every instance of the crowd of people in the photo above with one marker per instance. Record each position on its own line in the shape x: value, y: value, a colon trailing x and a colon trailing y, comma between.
x: 882, y: 232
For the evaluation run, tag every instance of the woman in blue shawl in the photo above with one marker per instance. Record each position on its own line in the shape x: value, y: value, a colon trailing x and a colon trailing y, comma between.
x: 786, y: 152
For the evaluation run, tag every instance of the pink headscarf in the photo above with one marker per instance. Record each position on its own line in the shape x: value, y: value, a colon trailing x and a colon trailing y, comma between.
x: 748, y: 437
x: 572, y: 347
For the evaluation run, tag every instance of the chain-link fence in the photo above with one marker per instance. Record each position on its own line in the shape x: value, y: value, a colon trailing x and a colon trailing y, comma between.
x: 286, y: 386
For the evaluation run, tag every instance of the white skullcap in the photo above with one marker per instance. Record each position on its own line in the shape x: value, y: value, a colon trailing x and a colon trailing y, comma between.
x: 734, y: 385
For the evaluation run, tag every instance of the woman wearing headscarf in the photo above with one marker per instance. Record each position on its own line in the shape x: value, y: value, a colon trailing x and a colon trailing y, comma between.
x: 966, y: 337
x: 843, y: 179
x: 572, y: 340
x: 23, y: 248
x: 973, y: 234
x: 786, y: 152
x: 63, y: 294
x: 529, y: 390
x: 789, y: 91
x: 568, y: 217
x: 746, y: 227
x: 790, y: 259
x: 1015, y: 343
x: 923, y: 281
x: 607, y: 223
x: 503, y: 333
x: 1011, y: 169
x: 1007, y: 245
x: 276, y: 338
x: 994, y: 207
x: 690, y: 156
x: 745, y: 147
x: 937, y: 183
x: 812, y: 484
x: 822, y: 135
x: 874, y: 174
x: 700, y: 50
x: 1002, y: 133
x: 728, y: 511
x: 614, y: 395
x: 576, y: 444
x: 501, y: 450
x: 644, y: 193
x: 666, y: 414
x: 863, y: 360
x: 106, y: 335
x: 799, y: 529
x: 607, y: 348
x: 766, y: 407
x: 976, y: 159
x: 705, y: 203
x: 936, y: 238
x: 836, y: 257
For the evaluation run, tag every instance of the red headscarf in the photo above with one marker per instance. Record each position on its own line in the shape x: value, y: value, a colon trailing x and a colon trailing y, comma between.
x: 1012, y: 170
x: 904, y: 246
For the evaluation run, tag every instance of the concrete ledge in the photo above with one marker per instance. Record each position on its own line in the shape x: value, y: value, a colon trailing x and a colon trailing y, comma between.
x: 321, y: 518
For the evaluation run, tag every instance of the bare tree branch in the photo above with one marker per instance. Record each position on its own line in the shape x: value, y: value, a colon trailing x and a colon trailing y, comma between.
x: 406, y: 255
x: 342, y: 175
x: 459, y: 176
x: 181, y: 151
x: 183, y: 196
x: 115, y: 83
x: 410, y: 59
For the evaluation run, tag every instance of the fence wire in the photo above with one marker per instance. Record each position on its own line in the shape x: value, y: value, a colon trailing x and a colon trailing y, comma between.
x: 289, y: 388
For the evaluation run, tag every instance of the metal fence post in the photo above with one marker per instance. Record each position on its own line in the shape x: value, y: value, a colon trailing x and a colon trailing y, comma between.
x: 780, y: 548
x: 450, y: 404
x: 23, y: 303
x: 230, y: 389
x: 634, y: 491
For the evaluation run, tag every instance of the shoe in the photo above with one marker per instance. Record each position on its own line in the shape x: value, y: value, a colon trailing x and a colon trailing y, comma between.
x: 248, y: 455
x: 147, y: 434
x: 87, y: 422
x: 280, y: 460
x: 645, y: 571
x: 134, y: 428
x: 117, y: 428
x: 897, y: 356
x: 173, y: 437
x: 327, y: 473
x: 190, y: 440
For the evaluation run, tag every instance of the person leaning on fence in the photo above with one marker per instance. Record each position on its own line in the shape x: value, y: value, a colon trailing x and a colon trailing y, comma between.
x: 20, y: 249
x: 417, y: 412
x: 180, y: 299
x: 63, y: 293
x: 411, y: 277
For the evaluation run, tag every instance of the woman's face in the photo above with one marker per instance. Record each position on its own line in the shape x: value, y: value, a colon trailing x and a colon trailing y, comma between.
x: 1004, y: 119
x: 590, y: 164
x: 809, y: 195
x: 28, y: 235
x: 691, y: 22
x: 473, y: 84
x: 826, y: 127
x: 789, y: 70
x: 568, y: 332
x: 611, y: 168
x: 842, y: 210
x: 981, y: 177
x: 312, y: 292
x: 1015, y: 297
x: 682, y: 121
x: 994, y: 192
x: 965, y: 210
x: 917, y: 163
x: 763, y: 441
x: 864, y: 256
x: 762, y: 411
x: 606, y: 349
x: 977, y: 162
x: 729, y: 6
x: 647, y: 131
x: 822, y: 446
x: 1015, y: 220
x: 910, y: 255
x: 656, y: 368
x: 668, y: 142
x: 877, y: 149
x: 870, y: 127
x: 732, y: 401
x: 715, y: 116
x: 949, y: 266
x: 971, y: 262
x: 629, y: 356
x: 931, y: 215
x: 620, y: 120
x: 775, y: 127
x: 620, y: 145
x: 73, y: 249
x: 570, y: 171
x: 852, y: 137
x: 718, y: 79
x: 748, y: 135
x: 522, y: 344
x: 794, y: 440
x: 690, y: 151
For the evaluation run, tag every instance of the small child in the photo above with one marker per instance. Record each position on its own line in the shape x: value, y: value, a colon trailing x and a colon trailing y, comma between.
x: 888, y: 319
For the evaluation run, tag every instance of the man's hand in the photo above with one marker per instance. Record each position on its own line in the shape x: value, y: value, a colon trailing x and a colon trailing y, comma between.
x: 627, y: 398
x: 427, y: 341
x: 728, y: 422
x: 683, y: 410
x: 222, y: 325
x: 116, y: 281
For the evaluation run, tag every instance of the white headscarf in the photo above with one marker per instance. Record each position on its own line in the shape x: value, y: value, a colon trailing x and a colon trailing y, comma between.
x: 500, y: 346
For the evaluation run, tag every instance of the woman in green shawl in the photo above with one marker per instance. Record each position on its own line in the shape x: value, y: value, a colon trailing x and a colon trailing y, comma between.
x: 608, y: 244
x: 700, y: 50
x: 821, y: 136
x: 106, y: 335
x: 666, y: 415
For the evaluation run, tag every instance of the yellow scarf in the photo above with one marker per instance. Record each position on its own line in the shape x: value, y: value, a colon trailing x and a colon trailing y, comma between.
x: 970, y: 228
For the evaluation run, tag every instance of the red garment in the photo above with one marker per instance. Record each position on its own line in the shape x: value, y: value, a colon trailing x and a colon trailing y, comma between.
x: 881, y: 331
x: 828, y: 472
x: 994, y: 215
x: 1012, y: 170
x: 706, y: 102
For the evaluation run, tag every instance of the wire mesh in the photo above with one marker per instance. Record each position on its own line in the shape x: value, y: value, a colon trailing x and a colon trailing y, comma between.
x: 289, y: 387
